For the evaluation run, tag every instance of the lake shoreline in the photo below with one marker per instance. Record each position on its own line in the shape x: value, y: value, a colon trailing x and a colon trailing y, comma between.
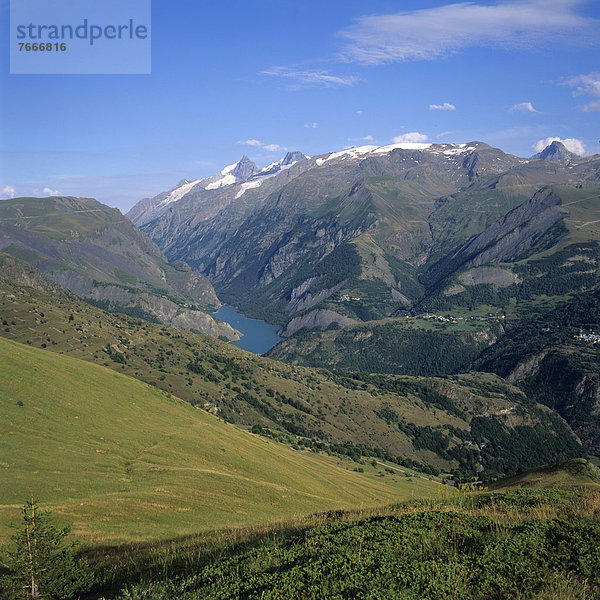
x: 258, y: 336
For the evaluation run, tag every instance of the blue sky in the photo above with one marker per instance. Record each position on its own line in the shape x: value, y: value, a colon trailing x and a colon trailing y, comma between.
x: 267, y: 76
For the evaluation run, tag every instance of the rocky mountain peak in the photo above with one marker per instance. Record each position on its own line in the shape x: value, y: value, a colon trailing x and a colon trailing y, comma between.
x: 244, y: 168
x: 555, y: 151
x: 478, y: 145
x: 292, y: 157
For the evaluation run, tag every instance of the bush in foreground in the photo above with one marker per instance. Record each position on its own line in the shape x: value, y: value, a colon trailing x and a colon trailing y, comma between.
x: 533, y: 544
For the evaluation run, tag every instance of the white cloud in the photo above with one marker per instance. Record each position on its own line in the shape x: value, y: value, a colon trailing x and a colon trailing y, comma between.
x: 429, y: 33
x: 413, y: 136
x: 591, y: 106
x: 311, y: 125
x: 586, y: 85
x: 8, y: 191
x: 571, y: 144
x: 256, y: 143
x: 359, y: 113
x: 445, y: 106
x: 50, y: 191
x: 259, y: 144
x: 524, y: 107
x: 310, y: 78
x: 353, y: 141
x: 443, y: 134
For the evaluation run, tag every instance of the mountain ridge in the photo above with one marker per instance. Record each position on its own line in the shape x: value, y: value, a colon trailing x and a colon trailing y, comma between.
x: 244, y: 173
x: 95, y: 252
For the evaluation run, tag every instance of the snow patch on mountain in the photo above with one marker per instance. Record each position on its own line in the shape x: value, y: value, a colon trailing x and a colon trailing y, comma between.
x: 226, y: 179
x: 229, y: 168
x: 248, y: 186
x: 179, y: 192
x: 461, y: 149
x: 363, y: 151
x: 269, y: 171
x: 352, y: 152
x: 403, y: 146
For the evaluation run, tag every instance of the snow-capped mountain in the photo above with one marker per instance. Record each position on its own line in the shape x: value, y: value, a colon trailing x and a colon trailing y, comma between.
x: 283, y: 164
x: 243, y: 174
x: 236, y: 179
x: 239, y: 171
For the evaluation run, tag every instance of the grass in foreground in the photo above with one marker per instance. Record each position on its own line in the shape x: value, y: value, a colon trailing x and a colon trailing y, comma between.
x: 526, y: 543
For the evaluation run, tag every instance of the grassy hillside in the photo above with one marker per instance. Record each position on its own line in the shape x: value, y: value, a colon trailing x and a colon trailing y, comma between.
x: 568, y: 475
x: 528, y: 544
x: 125, y: 461
x: 439, y: 423
x: 59, y: 218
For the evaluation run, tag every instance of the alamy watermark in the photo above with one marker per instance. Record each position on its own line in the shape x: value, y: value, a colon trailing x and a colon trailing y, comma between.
x: 83, y: 37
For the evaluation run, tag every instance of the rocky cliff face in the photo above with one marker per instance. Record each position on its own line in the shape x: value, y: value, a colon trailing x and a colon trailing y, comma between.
x: 317, y: 319
x: 506, y: 239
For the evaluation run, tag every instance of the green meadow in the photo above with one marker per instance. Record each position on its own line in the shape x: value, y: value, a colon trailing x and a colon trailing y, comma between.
x: 124, y: 461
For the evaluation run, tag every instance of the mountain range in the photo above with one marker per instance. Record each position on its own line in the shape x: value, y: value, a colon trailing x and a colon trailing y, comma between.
x: 397, y: 213
x: 421, y: 260
x: 440, y: 308
x: 417, y: 259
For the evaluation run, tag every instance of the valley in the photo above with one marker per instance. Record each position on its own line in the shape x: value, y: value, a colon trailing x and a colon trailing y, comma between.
x: 357, y: 248
x: 410, y: 331
x: 422, y: 423
x: 300, y: 300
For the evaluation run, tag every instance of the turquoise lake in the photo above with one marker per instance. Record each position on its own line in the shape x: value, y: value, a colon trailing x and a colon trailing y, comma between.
x: 259, y: 337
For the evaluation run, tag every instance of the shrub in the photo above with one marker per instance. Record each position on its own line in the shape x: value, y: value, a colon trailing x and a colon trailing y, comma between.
x: 41, y: 565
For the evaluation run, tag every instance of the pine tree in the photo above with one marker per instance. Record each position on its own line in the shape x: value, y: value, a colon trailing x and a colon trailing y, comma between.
x: 41, y: 564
